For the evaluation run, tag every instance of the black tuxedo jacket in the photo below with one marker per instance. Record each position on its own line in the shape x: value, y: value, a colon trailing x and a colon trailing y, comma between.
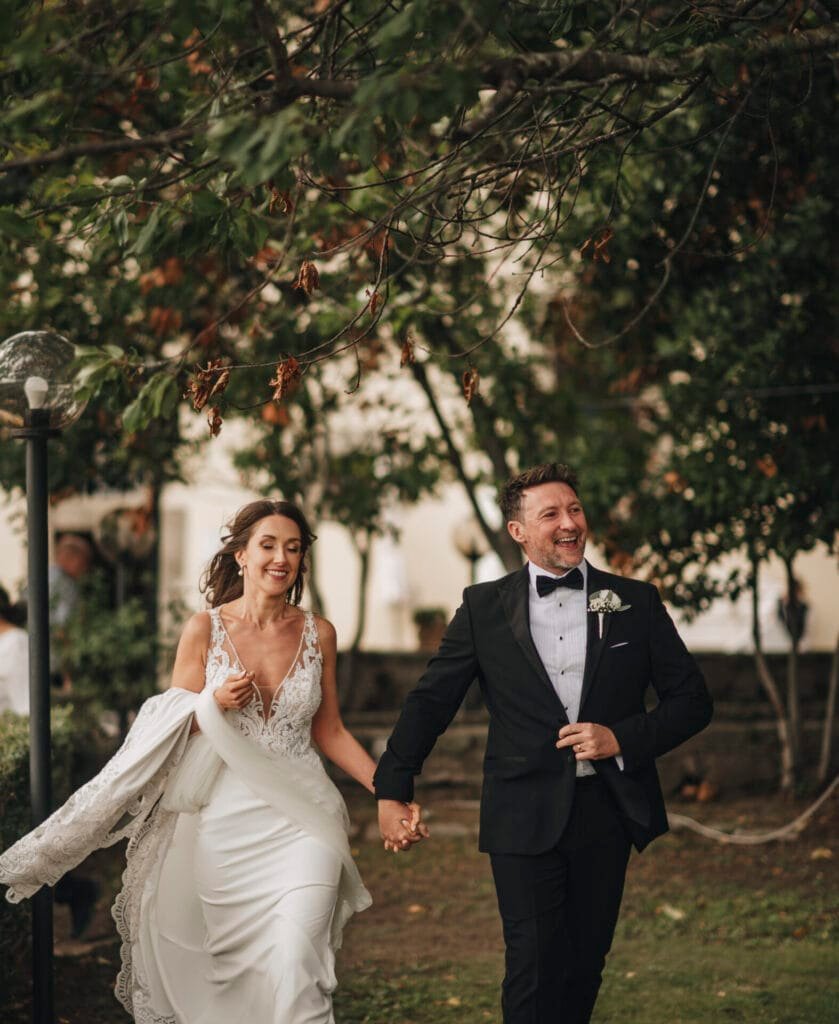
x: 528, y: 784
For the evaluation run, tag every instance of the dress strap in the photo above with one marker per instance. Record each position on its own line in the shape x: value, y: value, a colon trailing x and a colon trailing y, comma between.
x: 310, y: 633
x: 217, y: 632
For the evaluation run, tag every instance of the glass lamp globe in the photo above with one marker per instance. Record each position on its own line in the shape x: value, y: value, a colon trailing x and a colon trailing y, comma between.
x: 36, y: 373
x: 469, y: 539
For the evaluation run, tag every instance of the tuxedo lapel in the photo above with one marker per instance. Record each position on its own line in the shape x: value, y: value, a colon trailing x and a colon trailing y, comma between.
x: 595, y: 645
x: 515, y: 599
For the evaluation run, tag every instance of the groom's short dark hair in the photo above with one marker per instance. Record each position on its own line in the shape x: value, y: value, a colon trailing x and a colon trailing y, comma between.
x: 547, y: 473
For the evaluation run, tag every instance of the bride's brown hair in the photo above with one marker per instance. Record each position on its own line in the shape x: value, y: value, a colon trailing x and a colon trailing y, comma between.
x: 222, y: 582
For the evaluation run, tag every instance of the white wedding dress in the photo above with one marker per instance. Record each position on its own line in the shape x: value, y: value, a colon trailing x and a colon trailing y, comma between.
x: 239, y: 877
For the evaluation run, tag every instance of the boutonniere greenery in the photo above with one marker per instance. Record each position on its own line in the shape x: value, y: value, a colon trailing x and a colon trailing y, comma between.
x: 604, y: 602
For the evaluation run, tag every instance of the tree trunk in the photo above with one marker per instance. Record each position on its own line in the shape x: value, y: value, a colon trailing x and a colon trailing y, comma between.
x: 315, y: 598
x: 793, y: 694
x: 829, y: 716
x: 499, y: 540
x: 772, y: 691
x: 363, y: 549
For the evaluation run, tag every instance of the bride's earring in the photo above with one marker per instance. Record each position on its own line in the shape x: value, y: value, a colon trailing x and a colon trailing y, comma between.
x: 241, y: 570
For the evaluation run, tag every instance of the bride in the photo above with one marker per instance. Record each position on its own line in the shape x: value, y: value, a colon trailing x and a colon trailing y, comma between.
x: 239, y: 877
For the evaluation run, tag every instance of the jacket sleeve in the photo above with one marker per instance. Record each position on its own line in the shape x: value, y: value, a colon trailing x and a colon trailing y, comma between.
x: 428, y: 709
x: 684, y: 704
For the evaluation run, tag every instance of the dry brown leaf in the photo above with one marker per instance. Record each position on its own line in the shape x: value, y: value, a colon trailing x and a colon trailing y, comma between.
x: 276, y: 414
x: 375, y: 301
x: 287, y: 375
x: 207, y: 383
x: 471, y: 384
x: 377, y: 244
x: 308, y: 277
x: 164, y: 320
x: 767, y: 466
x: 280, y: 200
x: 155, y: 278
x: 408, y: 355
x: 598, y: 248
x: 173, y: 271
x: 214, y: 420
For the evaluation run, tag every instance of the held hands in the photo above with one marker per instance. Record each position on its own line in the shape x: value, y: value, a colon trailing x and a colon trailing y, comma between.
x: 401, y: 824
x: 590, y: 742
x: 235, y: 692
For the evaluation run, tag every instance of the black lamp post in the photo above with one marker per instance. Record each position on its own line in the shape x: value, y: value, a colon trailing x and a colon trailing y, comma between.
x: 37, y: 401
x: 470, y: 541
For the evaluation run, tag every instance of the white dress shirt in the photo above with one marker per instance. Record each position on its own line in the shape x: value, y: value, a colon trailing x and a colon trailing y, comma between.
x: 559, y: 629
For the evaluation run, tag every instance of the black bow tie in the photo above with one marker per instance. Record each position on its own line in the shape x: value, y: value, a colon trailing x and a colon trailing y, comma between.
x: 547, y: 584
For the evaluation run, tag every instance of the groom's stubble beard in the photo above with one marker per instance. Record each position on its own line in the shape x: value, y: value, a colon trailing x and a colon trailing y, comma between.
x: 555, y: 559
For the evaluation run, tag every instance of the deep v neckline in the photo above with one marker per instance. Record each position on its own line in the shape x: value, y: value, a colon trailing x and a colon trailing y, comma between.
x: 280, y: 686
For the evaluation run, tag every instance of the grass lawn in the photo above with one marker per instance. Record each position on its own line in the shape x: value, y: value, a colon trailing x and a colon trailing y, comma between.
x: 708, y: 933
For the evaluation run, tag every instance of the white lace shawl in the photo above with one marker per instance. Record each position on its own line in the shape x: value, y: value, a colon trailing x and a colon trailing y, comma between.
x: 112, y: 806
x: 124, y: 800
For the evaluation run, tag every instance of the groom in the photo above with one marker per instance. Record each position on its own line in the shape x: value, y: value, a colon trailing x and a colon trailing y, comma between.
x: 570, y: 781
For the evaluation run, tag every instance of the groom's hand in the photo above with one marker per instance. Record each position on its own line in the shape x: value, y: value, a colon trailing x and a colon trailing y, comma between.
x: 590, y: 742
x: 400, y: 824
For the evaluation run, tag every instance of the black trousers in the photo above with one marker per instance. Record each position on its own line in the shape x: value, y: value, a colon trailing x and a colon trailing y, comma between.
x: 559, y: 910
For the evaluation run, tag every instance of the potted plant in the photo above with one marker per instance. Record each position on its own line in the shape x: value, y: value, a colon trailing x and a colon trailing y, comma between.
x: 431, y: 624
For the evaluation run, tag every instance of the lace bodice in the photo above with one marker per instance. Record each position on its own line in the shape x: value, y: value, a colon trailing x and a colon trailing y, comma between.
x: 286, y: 727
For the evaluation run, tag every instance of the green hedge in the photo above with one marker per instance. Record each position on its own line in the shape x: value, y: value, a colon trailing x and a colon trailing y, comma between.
x: 14, y: 815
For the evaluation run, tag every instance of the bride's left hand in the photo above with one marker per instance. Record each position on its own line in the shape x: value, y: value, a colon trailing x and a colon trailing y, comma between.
x: 416, y: 824
x: 400, y: 825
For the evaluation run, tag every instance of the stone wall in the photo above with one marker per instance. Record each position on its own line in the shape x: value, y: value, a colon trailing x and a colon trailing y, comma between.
x: 736, y: 753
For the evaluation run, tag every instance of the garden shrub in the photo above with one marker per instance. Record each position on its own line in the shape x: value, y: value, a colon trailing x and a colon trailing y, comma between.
x: 15, y: 929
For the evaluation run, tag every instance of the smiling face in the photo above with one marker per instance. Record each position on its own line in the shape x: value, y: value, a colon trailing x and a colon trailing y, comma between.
x: 551, y: 527
x: 271, y: 559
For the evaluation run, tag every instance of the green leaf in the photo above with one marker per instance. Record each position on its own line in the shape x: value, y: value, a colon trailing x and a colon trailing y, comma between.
x: 12, y: 225
x: 207, y: 204
x: 143, y: 241
x: 119, y: 223
x: 85, y: 194
x: 397, y: 27
x: 157, y: 398
x: 724, y: 66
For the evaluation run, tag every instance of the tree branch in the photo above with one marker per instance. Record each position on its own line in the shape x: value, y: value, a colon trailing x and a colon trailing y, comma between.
x: 276, y: 49
x: 162, y: 140
x: 595, y: 65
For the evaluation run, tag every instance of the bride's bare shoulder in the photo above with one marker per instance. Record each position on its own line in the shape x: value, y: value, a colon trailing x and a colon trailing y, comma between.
x: 326, y: 632
x: 197, y: 630
x: 191, y: 657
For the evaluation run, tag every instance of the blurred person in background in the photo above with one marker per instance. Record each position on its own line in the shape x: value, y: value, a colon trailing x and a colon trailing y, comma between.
x: 14, y: 657
x: 73, y: 558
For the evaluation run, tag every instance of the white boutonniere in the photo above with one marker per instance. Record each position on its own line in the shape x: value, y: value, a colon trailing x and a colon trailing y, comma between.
x: 604, y: 602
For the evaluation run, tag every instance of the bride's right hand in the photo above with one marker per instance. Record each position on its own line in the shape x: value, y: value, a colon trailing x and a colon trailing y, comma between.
x: 235, y: 692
